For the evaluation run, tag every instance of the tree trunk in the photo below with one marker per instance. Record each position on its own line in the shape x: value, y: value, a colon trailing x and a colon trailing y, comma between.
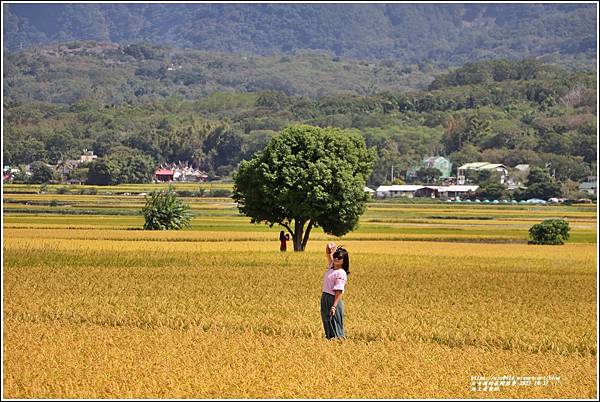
x: 298, y: 235
x: 307, y: 234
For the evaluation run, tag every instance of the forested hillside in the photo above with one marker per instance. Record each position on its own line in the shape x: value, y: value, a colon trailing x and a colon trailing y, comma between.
x: 437, y: 34
x: 142, y: 72
x: 135, y: 103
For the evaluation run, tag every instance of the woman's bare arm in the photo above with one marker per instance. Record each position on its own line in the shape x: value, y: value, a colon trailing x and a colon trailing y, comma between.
x: 328, y: 251
x: 336, y: 300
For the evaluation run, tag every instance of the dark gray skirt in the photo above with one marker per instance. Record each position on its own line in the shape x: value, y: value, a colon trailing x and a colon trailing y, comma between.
x: 334, y: 326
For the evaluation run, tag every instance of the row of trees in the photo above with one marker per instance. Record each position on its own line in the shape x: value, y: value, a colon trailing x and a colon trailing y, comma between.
x: 123, y: 75
x: 122, y: 167
x: 539, y: 184
x: 138, y: 168
x: 217, y: 132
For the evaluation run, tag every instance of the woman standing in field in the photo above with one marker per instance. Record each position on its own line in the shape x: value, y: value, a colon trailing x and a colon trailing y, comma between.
x: 334, y: 280
x: 283, y: 238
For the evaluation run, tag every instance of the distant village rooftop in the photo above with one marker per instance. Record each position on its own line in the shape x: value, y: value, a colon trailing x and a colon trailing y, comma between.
x: 481, y: 166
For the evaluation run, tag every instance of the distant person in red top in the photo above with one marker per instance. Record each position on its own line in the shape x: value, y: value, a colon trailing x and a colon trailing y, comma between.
x: 283, y: 238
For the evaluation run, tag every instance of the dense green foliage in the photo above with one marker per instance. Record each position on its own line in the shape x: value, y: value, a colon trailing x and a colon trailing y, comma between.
x: 57, y: 104
x: 541, y: 185
x: 491, y: 190
x: 41, y: 173
x: 164, y: 211
x: 428, y: 175
x: 102, y: 172
x: 441, y: 34
x: 550, y: 231
x: 123, y: 166
x: 306, y: 176
x: 117, y: 75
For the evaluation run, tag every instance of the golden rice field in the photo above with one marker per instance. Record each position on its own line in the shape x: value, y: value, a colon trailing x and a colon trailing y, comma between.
x: 93, y: 307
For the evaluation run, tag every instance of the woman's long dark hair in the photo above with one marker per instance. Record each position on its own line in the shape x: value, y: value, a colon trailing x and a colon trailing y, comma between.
x: 282, y: 236
x: 343, y: 254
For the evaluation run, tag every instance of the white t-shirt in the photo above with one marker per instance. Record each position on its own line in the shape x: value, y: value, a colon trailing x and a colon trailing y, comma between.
x: 334, y: 279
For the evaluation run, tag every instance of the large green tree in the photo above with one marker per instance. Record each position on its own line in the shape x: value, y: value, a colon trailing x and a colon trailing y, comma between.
x: 491, y: 189
x: 41, y: 173
x: 103, y: 172
x: 541, y: 185
x: 133, y: 166
x: 428, y: 174
x: 306, y: 177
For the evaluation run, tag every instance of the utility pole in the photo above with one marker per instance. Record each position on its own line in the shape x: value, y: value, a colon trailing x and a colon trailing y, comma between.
x: 392, y: 173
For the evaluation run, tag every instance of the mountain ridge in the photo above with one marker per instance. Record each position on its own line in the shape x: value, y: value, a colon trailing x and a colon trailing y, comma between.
x: 441, y: 34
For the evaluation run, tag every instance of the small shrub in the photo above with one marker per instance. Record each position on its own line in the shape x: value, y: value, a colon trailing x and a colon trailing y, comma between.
x: 88, y: 191
x: 62, y: 190
x: 550, y: 231
x: 220, y: 192
x: 164, y: 211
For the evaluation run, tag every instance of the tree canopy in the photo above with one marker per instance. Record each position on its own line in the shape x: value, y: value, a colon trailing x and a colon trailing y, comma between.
x: 40, y: 172
x: 306, y: 176
x: 541, y: 185
x: 550, y: 231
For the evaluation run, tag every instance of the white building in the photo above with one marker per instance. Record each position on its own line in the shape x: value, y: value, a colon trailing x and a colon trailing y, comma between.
x: 455, y: 192
x: 411, y: 191
x: 87, y: 156
x: 482, y: 166
x: 397, y: 190
x: 382, y: 191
